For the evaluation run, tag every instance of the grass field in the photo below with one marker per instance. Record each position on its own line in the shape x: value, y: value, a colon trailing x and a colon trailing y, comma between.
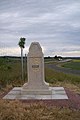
x: 10, y: 72
x: 60, y: 79
x: 74, y: 64
x: 15, y: 110
x: 10, y: 76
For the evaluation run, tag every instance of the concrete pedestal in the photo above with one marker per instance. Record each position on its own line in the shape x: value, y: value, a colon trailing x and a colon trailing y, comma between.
x: 56, y: 93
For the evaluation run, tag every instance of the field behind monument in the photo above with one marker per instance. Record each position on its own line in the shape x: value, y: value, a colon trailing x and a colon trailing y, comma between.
x: 74, y: 64
x: 10, y: 72
x: 10, y: 76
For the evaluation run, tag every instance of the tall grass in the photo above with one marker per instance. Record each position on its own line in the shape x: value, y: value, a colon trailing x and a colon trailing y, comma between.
x: 53, y: 76
x: 15, y: 110
x: 10, y: 72
x: 69, y: 81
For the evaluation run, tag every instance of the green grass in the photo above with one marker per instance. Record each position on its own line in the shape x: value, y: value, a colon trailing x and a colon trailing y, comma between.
x: 75, y: 64
x: 10, y: 74
x: 53, y: 76
x: 77, y: 60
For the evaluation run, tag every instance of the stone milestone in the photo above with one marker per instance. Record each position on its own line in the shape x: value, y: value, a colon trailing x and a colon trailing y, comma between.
x: 35, y: 65
x: 36, y: 87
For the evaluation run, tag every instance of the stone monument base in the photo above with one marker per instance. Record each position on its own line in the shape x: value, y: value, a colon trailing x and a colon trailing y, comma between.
x: 36, y: 92
x: 55, y: 93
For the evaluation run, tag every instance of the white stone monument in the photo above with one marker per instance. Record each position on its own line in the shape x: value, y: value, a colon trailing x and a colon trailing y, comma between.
x: 35, y: 65
x: 36, y: 87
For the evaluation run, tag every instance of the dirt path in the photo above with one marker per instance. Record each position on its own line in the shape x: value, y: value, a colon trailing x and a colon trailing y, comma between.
x: 64, y: 70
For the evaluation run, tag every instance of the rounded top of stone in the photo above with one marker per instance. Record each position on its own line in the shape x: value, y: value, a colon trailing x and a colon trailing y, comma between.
x: 35, y: 49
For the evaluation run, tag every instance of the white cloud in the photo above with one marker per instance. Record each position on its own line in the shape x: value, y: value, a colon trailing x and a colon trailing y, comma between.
x: 13, y: 51
x: 54, y: 23
x: 68, y: 54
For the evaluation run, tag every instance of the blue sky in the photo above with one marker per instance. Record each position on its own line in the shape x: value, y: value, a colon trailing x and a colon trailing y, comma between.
x: 55, y: 24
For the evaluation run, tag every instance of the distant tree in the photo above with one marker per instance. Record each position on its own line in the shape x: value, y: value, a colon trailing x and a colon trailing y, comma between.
x: 55, y: 57
x: 49, y: 57
x: 58, y: 57
x: 22, y: 46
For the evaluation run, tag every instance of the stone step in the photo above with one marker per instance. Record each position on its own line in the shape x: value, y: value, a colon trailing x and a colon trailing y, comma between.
x: 36, y: 92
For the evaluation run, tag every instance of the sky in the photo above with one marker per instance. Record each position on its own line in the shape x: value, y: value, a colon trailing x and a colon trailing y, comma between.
x: 55, y: 24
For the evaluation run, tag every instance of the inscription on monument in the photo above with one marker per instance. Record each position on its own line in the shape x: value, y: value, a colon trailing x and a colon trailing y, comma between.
x: 35, y: 66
